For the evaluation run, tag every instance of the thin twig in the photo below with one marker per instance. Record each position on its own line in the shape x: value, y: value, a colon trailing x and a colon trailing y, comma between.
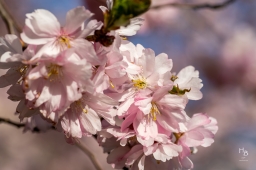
x: 88, y: 153
x: 77, y: 143
x: 102, y: 1
x: 21, y: 125
x: 216, y: 6
x: 9, y: 19
x: 8, y: 121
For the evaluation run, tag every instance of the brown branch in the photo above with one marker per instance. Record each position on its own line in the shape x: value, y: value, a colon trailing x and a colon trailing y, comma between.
x: 20, y: 125
x: 102, y: 1
x: 91, y: 156
x: 78, y: 143
x: 8, y: 121
x: 216, y: 6
x: 9, y: 19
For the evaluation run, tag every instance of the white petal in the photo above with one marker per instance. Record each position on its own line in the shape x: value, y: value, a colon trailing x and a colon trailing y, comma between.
x: 75, y: 18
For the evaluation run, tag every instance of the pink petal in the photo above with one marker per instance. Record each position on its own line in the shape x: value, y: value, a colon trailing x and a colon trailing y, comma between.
x: 186, y: 163
x: 147, y: 61
x: 90, y: 121
x: 11, y: 77
x: 40, y: 26
x: 90, y: 28
x: 163, y: 64
x: 75, y: 18
x: 75, y: 129
x: 132, y: 28
x: 134, y: 154
x: 14, y: 42
x: 198, y: 120
x: 141, y: 163
x: 116, y: 157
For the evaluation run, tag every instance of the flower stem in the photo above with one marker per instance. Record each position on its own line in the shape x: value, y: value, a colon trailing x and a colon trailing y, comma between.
x: 9, y: 20
x: 89, y: 154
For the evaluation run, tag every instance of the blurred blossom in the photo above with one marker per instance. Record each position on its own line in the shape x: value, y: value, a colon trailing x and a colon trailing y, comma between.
x: 159, y: 18
x: 239, y: 55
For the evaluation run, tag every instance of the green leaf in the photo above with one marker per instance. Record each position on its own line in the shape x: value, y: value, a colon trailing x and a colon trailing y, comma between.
x: 124, y: 10
x: 176, y: 90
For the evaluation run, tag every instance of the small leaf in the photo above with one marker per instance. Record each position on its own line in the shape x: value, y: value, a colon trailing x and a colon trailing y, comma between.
x: 176, y: 90
x: 124, y: 10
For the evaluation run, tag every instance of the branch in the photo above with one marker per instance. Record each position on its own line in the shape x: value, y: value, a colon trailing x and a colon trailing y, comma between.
x: 21, y: 125
x: 216, y: 6
x: 8, y: 19
x: 102, y: 1
x: 89, y: 154
x: 8, y: 121
x: 77, y: 142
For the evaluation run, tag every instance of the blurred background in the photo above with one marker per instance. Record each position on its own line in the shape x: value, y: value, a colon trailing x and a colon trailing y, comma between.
x: 221, y: 44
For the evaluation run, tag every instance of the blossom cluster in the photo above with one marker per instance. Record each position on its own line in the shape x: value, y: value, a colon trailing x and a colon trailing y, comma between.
x: 124, y: 93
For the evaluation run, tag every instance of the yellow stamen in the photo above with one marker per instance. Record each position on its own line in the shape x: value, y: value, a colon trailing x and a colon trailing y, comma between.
x: 139, y: 83
x: 154, y: 111
x: 54, y: 72
x: 65, y: 40
x: 123, y: 37
x: 79, y: 106
x: 22, y: 70
x: 111, y: 84
x: 85, y: 111
x: 173, y: 78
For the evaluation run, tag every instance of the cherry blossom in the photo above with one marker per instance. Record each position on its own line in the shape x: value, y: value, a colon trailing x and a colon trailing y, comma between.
x: 43, y: 29
x: 69, y: 79
x: 53, y: 86
x: 82, y: 118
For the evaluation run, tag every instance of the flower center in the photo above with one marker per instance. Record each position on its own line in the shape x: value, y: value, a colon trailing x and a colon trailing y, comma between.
x: 154, y: 111
x: 54, y: 72
x: 140, y: 83
x: 64, y: 41
x: 79, y: 106
x: 111, y: 84
x: 22, y: 70
x: 177, y: 136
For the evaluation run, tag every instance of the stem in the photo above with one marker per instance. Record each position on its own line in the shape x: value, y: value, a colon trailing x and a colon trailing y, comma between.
x: 196, y: 6
x: 8, y: 19
x: 79, y: 144
x: 20, y: 125
x: 8, y: 121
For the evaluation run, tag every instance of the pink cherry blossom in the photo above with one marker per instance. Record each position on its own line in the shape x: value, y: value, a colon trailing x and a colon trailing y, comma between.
x: 57, y: 82
x: 145, y: 71
x: 150, y: 116
x: 83, y: 116
x: 155, y: 70
x: 111, y: 71
x: 200, y: 132
x: 43, y: 29
x: 12, y: 58
x: 188, y: 78
x: 24, y: 108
